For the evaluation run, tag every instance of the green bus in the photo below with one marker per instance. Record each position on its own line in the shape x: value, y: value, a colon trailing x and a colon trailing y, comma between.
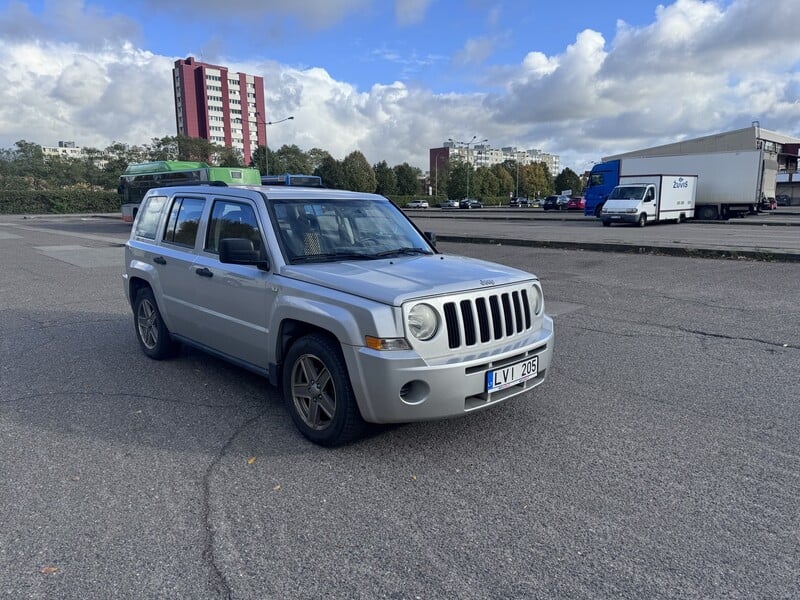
x: 140, y: 177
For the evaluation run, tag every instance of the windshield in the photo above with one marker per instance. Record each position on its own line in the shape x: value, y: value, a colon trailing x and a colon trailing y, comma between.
x: 322, y: 230
x: 627, y: 193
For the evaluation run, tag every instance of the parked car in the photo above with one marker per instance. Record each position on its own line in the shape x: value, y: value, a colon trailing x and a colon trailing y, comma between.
x: 520, y: 202
x: 450, y: 204
x: 783, y: 200
x: 555, y: 202
x: 576, y: 203
x: 370, y: 324
x: 768, y: 204
x: 417, y: 204
x: 470, y: 203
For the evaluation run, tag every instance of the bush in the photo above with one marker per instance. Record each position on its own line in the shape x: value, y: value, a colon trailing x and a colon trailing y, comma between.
x: 17, y: 202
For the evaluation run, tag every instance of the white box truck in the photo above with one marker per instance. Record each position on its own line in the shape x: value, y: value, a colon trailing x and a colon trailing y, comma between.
x: 643, y: 199
x: 730, y: 183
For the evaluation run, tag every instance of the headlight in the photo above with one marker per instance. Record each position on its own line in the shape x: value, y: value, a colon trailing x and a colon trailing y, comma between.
x: 631, y: 210
x: 537, y: 300
x: 423, y: 322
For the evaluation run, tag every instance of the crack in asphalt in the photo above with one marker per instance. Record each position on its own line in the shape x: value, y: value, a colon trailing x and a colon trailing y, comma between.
x: 217, y: 578
x: 117, y: 395
x: 697, y: 332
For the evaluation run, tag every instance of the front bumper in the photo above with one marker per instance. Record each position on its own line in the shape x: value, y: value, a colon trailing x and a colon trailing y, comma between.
x: 400, y: 387
x: 620, y: 217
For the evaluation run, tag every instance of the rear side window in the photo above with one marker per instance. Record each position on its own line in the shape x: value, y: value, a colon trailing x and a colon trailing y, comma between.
x: 149, y: 216
x: 184, y: 220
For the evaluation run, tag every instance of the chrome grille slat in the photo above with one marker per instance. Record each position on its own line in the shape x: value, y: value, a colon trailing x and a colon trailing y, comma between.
x: 481, y: 319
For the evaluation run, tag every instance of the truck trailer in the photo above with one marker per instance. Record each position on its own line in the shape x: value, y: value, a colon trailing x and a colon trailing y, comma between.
x: 643, y: 199
x: 728, y: 184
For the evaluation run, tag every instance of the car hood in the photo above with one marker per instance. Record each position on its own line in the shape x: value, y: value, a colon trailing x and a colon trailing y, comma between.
x: 397, y: 280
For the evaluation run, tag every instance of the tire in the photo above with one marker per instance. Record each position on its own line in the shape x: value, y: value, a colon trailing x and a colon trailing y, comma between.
x: 152, y: 333
x: 706, y: 213
x: 325, y: 414
x: 642, y: 220
x: 606, y: 223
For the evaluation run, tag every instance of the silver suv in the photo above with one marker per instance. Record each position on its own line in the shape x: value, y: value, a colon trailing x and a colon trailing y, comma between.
x: 337, y: 298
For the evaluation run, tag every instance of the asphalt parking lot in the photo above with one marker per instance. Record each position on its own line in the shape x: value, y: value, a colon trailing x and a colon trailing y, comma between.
x: 658, y: 461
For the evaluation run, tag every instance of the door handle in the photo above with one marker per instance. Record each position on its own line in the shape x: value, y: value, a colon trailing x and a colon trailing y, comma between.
x: 204, y: 272
x: 160, y: 260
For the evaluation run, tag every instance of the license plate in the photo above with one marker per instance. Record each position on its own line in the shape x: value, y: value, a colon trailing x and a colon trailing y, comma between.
x: 512, y: 375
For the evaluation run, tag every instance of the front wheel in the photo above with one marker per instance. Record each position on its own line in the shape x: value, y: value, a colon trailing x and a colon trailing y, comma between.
x: 642, y: 220
x: 318, y: 393
x: 606, y: 223
x: 152, y: 333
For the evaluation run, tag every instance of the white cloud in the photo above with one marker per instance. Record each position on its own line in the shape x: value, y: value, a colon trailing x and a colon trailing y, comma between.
x: 409, y: 12
x: 696, y: 69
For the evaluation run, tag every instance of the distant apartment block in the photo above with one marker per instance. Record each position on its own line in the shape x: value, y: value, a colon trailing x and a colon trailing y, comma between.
x: 225, y: 108
x: 64, y: 149
x: 483, y: 155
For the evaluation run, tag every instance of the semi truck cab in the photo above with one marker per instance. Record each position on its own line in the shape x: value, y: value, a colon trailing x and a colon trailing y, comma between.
x: 603, y: 178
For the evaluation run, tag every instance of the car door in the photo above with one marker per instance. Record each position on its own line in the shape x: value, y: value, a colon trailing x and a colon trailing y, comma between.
x: 175, y: 263
x: 651, y: 203
x: 234, y: 300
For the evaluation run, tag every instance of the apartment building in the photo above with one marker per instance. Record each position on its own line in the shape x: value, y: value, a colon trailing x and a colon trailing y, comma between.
x: 483, y: 155
x: 222, y: 107
x: 64, y: 150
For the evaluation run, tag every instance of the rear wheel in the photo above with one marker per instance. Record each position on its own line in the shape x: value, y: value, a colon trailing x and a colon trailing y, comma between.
x: 598, y: 209
x: 318, y: 393
x: 642, y: 220
x: 707, y: 213
x: 152, y: 333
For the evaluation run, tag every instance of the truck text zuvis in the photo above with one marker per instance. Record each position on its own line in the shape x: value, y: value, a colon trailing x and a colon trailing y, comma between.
x: 728, y: 182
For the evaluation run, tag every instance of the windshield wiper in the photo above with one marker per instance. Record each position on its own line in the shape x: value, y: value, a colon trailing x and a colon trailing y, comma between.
x: 401, y: 252
x: 330, y: 256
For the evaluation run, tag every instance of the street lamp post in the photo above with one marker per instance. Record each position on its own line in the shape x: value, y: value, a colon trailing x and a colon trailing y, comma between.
x: 266, y: 147
x: 469, y: 164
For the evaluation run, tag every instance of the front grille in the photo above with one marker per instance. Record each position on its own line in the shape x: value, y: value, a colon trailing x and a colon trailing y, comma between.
x: 487, y: 318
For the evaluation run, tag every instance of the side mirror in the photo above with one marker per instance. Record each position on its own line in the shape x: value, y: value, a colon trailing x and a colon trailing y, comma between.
x: 240, y: 251
x: 431, y: 235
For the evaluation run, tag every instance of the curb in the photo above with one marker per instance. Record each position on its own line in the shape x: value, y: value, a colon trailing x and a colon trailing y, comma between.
x: 755, y: 255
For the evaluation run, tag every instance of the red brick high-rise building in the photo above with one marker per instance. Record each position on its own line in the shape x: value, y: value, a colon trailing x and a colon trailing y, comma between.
x: 222, y: 107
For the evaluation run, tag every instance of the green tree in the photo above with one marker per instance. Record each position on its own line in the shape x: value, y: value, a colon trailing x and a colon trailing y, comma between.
x: 386, y: 180
x: 506, y: 174
x: 407, y: 179
x: 289, y: 159
x: 457, y: 179
x: 484, y: 184
x: 332, y: 173
x: 258, y: 159
x: 568, y: 180
x: 196, y: 149
x: 165, y: 148
x: 535, y: 180
x: 316, y: 156
x: 228, y: 156
x: 359, y: 175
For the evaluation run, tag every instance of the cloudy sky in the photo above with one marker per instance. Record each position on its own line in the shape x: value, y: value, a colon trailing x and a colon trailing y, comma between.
x: 581, y: 79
